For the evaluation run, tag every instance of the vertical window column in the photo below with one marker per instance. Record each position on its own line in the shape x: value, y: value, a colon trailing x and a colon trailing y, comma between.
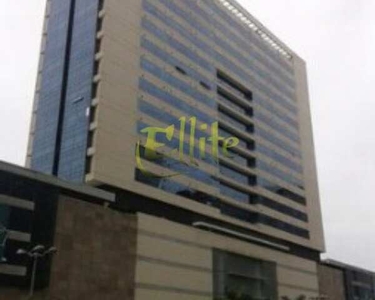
x: 95, y: 87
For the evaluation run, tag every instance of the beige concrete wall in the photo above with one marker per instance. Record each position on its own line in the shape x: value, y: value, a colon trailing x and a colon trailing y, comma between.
x: 115, y: 136
x: 113, y: 151
x: 308, y: 155
x: 104, y: 254
x: 96, y: 252
x: 175, y: 262
x: 115, y: 133
x: 95, y: 258
x: 331, y: 283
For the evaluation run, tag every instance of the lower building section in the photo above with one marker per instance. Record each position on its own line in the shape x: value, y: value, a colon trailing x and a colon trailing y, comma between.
x: 331, y: 282
x: 95, y: 259
x: 342, y: 281
x: 175, y: 261
x: 105, y: 251
x: 105, y: 254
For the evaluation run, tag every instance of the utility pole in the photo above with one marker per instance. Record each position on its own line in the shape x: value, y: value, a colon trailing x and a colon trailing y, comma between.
x: 3, y: 240
x: 36, y: 253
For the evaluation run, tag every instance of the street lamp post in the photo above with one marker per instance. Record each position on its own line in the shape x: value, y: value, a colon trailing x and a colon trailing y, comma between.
x: 3, y: 240
x: 35, y: 254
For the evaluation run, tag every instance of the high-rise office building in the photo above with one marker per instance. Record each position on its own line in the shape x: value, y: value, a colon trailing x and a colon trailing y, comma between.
x: 217, y: 109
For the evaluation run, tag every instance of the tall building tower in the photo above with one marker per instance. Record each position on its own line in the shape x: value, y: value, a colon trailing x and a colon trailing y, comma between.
x: 199, y: 117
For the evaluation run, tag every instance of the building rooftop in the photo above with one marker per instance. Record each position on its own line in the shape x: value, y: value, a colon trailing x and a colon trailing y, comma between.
x: 341, y: 265
x: 246, y: 18
x: 74, y: 187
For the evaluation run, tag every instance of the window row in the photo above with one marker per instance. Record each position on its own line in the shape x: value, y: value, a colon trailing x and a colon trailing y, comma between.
x: 175, y: 44
x: 281, y: 191
x: 205, y: 64
x: 174, y: 143
x: 253, y: 38
x: 216, y: 55
x: 227, y: 99
x: 204, y: 17
x: 277, y: 142
x: 175, y: 102
x: 272, y: 154
x: 276, y: 156
x: 283, y: 130
x: 200, y: 175
x: 223, y: 115
x: 173, y: 187
x: 184, y: 87
x: 252, y: 180
x: 237, y: 176
x: 174, y: 62
x: 261, y: 165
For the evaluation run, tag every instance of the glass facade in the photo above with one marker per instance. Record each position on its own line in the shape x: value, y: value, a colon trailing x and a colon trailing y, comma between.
x: 165, y: 96
x: 61, y: 133
x: 240, y: 277
x: 220, y: 47
x: 176, y: 83
x: 50, y: 93
x: 205, y: 30
x: 196, y: 61
x: 75, y: 122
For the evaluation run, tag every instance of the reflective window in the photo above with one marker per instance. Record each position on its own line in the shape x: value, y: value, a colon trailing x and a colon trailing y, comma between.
x: 253, y: 38
x: 281, y: 191
x: 222, y: 59
x: 175, y: 144
x: 182, y: 168
x: 234, y: 175
x: 296, y: 167
x: 241, y: 160
x: 277, y: 142
x: 168, y: 98
x: 170, y: 59
x: 79, y: 85
x: 267, y: 104
x: 286, y: 227
x: 172, y: 42
x: 184, y: 87
x: 231, y: 50
x: 47, y: 120
x: 283, y: 208
x: 231, y: 192
x: 238, y: 213
x: 251, y: 78
x: 168, y: 118
x: 231, y: 120
x: 280, y: 174
x: 245, y: 43
x: 283, y: 130
x: 154, y: 11
x: 226, y: 134
x: 175, y: 188
x: 231, y: 104
x: 241, y: 277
